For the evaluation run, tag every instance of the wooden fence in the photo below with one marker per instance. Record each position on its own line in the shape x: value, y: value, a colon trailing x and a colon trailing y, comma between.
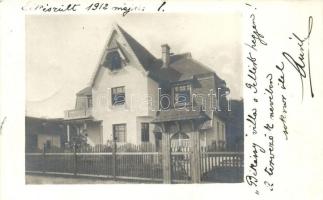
x: 99, y: 162
x: 213, y: 162
x: 135, y: 162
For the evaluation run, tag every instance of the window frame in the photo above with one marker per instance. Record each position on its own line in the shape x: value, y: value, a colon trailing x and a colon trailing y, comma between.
x: 145, y: 137
x: 114, y: 93
x: 116, y: 136
x: 188, y: 88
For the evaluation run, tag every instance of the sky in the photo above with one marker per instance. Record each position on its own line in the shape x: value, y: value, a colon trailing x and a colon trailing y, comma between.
x: 62, y: 52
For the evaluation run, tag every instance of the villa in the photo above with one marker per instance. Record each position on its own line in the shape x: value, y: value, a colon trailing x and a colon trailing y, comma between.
x: 133, y: 95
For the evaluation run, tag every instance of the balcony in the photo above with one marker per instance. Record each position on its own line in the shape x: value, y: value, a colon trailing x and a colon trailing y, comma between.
x: 78, y: 114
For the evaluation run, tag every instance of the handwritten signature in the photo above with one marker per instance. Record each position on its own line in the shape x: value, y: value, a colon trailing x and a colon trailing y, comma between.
x: 298, y: 63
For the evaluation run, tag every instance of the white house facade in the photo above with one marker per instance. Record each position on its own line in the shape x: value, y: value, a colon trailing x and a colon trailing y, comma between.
x: 132, y: 94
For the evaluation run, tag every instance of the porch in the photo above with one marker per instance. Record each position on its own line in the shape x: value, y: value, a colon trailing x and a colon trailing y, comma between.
x: 84, y: 131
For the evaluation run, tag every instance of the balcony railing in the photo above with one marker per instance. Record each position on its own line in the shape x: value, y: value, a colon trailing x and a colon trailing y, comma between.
x: 77, y: 114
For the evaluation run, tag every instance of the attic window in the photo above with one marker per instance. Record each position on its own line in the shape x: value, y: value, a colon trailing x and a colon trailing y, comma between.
x: 113, y: 60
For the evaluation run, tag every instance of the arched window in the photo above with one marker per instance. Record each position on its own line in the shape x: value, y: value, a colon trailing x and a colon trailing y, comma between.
x: 180, y: 135
x: 180, y: 138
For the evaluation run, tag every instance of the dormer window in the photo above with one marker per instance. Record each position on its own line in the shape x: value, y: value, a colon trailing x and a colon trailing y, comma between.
x: 114, y: 59
x: 182, y: 94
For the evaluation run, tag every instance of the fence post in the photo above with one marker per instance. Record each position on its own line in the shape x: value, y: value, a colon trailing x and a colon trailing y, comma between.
x: 167, y: 176
x: 75, y: 160
x: 44, y: 158
x: 196, y: 160
x: 114, y: 159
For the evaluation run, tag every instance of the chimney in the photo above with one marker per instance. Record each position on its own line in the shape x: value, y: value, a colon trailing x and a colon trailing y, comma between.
x: 165, y: 55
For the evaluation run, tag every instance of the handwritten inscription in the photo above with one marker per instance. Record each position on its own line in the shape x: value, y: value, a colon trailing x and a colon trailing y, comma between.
x: 267, y: 117
x: 252, y: 74
x: 281, y: 79
x: 283, y: 116
x: 256, y: 37
x: 252, y: 120
x: 270, y: 168
x: 270, y: 93
x: 123, y: 8
x: 252, y: 179
x: 258, y: 152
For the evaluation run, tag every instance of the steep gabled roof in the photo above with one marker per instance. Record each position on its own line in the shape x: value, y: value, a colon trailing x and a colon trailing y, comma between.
x: 142, y: 55
x: 145, y: 58
x: 181, y: 66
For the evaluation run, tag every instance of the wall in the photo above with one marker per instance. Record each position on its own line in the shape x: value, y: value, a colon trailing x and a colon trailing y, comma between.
x: 153, y: 94
x: 135, y: 82
x: 151, y: 128
x: 202, y: 92
x: 213, y: 134
x: 94, y: 133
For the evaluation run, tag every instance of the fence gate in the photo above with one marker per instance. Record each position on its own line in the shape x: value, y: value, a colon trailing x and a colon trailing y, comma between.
x: 215, y: 165
x: 181, y: 164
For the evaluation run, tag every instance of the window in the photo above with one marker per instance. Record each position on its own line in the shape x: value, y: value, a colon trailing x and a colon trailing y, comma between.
x: 145, y: 132
x: 119, y: 132
x: 113, y: 60
x: 182, y: 93
x: 118, y: 96
x: 89, y: 101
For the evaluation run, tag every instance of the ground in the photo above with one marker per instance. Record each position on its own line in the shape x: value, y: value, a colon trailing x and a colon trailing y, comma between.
x: 45, y: 179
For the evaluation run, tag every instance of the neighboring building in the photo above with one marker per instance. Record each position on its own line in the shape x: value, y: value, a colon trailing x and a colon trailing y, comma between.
x: 132, y: 91
x: 235, y: 127
x: 42, y: 131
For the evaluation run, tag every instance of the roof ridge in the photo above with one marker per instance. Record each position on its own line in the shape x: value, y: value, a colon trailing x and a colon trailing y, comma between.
x: 182, y: 54
x: 137, y: 48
